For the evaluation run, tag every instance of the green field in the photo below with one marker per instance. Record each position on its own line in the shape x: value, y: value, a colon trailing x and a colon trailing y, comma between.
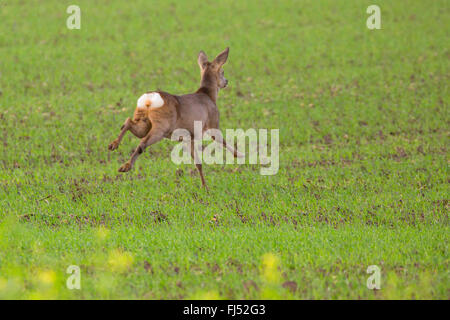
x: 364, y: 161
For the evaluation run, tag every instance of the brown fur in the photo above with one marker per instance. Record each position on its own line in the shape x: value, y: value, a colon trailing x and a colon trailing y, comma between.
x: 179, y: 112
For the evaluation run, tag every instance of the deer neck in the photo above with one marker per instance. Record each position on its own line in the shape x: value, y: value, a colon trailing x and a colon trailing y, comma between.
x: 208, y: 85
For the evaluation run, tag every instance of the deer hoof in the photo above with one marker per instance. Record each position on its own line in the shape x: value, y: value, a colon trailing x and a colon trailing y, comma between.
x: 113, y: 145
x: 125, y: 167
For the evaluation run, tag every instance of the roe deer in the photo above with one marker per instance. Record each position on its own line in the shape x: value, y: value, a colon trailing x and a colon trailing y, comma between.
x: 159, y: 113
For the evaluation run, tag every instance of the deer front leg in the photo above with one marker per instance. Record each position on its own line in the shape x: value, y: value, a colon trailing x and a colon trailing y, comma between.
x: 198, y: 165
x: 139, y: 128
x: 219, y: 139
x: 152, y: 137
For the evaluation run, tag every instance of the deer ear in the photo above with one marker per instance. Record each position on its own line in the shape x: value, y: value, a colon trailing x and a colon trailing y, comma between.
x: 202, y: 59
x: 222, y: 57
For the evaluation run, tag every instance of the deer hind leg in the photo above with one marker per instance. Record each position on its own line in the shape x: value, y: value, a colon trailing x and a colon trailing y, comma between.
x: 154, y: 135
x: 139, y: 128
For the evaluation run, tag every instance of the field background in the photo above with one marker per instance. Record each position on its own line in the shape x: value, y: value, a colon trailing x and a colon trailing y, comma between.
x: 364, y: 132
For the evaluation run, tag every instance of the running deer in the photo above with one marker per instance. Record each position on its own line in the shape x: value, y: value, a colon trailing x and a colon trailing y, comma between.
x: 159, y: 113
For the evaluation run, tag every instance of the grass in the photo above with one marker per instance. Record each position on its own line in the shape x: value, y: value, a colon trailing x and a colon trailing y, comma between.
x: 363, y: 180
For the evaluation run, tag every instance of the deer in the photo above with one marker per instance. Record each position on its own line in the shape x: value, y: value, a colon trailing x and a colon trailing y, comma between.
x: 158, y: 114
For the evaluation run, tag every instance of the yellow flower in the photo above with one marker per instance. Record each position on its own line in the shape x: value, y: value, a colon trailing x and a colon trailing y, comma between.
x: 270, y: 272
x: 47, y: 277
x: 120, y: 261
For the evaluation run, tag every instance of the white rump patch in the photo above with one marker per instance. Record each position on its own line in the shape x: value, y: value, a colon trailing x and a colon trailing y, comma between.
x: 152, y: 99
